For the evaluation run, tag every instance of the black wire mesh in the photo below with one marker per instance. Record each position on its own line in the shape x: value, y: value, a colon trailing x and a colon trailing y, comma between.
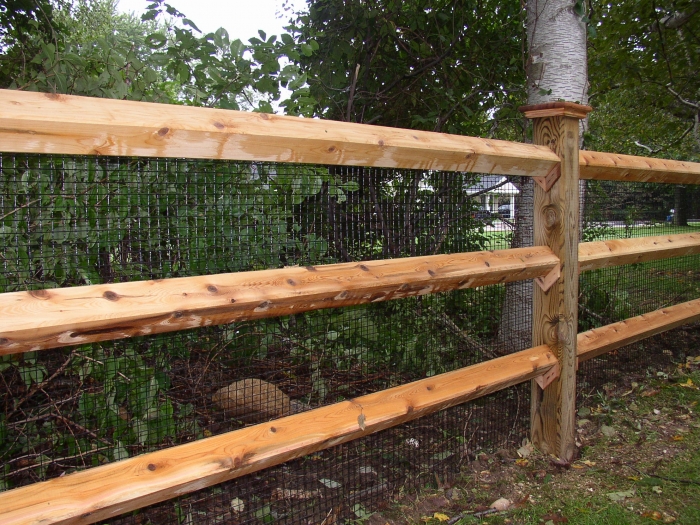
x: 70, y: 221
x: 618, y: 211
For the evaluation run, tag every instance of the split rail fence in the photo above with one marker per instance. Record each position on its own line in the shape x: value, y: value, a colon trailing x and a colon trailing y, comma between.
x: 38, y: 320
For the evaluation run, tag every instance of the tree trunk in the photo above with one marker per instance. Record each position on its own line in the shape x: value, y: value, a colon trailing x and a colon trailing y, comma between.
x: 515, y: 329
x: 680, y: 217
x: 556, y: 70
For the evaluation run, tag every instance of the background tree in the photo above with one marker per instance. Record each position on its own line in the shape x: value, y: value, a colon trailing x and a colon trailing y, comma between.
x: 556, y: 70
x: 86, y: 47
x: 452, y: 66
x: 645, y: 62
x: 448, y: 66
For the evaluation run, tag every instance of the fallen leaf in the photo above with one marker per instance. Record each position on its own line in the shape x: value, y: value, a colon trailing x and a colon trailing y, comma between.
x: 621, y: 496
x: 657, y: 489
x: 578, y: 467
x: 330, y: 483
x: 677, y: 438
x: 522, y: 462
x: 526, y: 450
x: 652, y: 515
x: 688, y: 384
x: 237, y: 505
x: 523, y: 501
x: 650, y: 393
x: 501, y: 504
x: 440, y: 516
x: 588, y: 463
x: 608, y: 431
x: 559, y: 462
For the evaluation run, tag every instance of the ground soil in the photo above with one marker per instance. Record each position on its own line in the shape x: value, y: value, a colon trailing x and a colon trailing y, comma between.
x: 623, y: 440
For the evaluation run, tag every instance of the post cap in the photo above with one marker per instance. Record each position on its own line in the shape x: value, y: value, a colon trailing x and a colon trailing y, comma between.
x: 556, y: 109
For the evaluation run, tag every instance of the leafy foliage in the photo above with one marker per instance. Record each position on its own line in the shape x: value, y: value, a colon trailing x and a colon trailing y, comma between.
x: 445, y: 66
x: 644, y: 64
x: 87, y: 48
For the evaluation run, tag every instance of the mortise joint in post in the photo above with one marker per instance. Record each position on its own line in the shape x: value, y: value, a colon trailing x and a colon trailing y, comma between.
x: 548, y: 280
x: 546, y: 379
x: 548, y: 180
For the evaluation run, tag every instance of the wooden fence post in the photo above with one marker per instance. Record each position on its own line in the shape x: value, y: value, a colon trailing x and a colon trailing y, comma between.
x: 555, y: 299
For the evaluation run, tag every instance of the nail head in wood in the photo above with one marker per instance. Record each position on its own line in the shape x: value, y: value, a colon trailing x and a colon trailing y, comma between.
x: 556, y: 109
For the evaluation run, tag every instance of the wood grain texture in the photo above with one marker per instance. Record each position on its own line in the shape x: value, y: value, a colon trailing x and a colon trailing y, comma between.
x: 611, y: 166
x: 45, y: 123
x: 102, y: 492
x: 610, y: 337
x: 555, y: 311
x: 603, y: 254
x: 556, y: 109
x: 68, y: 316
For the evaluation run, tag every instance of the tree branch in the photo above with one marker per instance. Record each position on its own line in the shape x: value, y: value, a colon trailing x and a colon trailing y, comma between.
x: 681, y: 99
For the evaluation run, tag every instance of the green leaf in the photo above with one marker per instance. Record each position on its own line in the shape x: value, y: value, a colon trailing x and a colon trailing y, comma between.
x: 156, y: 40
x: 190, y: 23
x: 221, y: 37
x: 307, y: 50
x: 350, y: 186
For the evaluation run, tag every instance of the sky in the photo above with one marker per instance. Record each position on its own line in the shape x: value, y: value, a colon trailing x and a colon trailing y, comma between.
x: 241, y: 18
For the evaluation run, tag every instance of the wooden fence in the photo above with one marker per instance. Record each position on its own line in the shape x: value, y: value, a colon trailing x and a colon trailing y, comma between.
x: 31, y: 321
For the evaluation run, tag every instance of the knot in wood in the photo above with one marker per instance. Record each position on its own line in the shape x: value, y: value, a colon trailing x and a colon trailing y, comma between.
x: 564, y: 332
x: 111, y: 296
x: 550, y: 214
x: 552, y: 331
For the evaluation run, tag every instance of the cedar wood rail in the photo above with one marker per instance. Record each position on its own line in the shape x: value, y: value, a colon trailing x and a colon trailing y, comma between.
x: 61, y: 124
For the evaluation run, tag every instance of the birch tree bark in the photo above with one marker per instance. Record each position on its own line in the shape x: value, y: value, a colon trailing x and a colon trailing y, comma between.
x: 556, y: 70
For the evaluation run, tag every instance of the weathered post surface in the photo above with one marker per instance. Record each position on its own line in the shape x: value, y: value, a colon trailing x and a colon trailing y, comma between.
x: 555, y: 300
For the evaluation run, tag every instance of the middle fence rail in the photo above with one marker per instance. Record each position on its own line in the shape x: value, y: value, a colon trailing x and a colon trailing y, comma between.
x: 42, y: 319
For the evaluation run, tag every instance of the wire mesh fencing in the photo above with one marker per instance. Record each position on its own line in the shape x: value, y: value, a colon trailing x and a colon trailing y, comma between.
x: 72, y: 221
x: 608, y: 295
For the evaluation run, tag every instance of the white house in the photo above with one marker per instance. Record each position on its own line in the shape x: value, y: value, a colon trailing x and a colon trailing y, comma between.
x: 493, y: 190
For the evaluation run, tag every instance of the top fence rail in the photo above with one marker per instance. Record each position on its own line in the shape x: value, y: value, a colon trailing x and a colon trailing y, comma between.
x: 63, y: 124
